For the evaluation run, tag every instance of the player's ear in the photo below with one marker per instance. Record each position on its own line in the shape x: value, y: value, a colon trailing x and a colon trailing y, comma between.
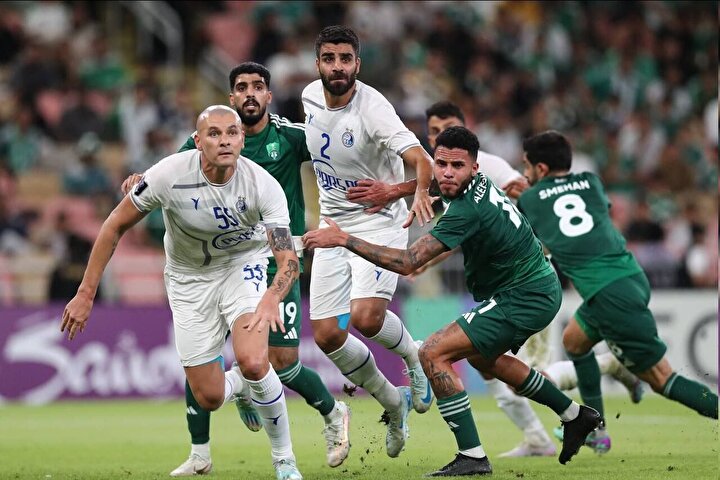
x: 542, y: 169
x: 196, y: 138
x: 232, y: 99
x: 269, y: 97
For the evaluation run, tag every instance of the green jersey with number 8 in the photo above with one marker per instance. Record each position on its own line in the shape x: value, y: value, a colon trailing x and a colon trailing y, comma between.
x: 570, y: 214
x: 501, y: 252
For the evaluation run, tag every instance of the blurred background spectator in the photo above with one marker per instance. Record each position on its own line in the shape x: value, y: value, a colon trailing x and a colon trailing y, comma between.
x: 92, y: 91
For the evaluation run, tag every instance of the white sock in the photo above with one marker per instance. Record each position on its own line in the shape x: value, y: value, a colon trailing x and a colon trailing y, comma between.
x: 608, y: 363
x: 332, y: 415
x: 475, y: 452
x: 201, y: 450
x: 562, y: 374
x: 357, y: 364
x: 269, y: 400
x: 394, y: 336
x: 570, y: 413
x: 234, y: 383
x: 517, y: 408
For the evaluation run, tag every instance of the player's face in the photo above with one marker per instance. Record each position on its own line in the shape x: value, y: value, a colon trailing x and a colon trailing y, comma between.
x: 530, y: 171
x: 338, y: 66
x: 250, y: 97
x: 437, y: 125
x: 453, y: 170
x: 220, y: 138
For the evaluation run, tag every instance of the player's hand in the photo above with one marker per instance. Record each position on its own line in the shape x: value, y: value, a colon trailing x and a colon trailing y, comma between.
x: 266, y: 313
x: 130, y: 182
x: 516, y: 187
x: 76, y: 315
x: 411, y: 277
x: 329, y: 237
x: 421, y: 208
x: 374, y: 194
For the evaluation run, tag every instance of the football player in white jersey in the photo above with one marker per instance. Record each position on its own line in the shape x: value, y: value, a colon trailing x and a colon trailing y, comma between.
x: 224, y: 215
x: 353, y: 133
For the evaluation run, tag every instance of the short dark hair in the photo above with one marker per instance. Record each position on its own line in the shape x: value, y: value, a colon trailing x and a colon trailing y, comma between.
x: 249, y: 67
x: 444, y: 109
x: 337, y: 34
x: 458, y: 137
x: 550, y: 148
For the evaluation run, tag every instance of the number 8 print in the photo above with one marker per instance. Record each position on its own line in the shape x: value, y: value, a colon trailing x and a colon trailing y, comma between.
x: 569, y: 207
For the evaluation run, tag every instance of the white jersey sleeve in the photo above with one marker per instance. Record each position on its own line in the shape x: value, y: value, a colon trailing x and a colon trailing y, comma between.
x: 497, y: 169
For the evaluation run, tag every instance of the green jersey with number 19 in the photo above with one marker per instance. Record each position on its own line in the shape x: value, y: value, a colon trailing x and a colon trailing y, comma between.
x: 570, y: 215
x: 501, y: 252
x: 280, y: 149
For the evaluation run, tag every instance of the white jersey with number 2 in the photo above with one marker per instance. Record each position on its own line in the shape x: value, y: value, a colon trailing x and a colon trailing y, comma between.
x: 362, y: 140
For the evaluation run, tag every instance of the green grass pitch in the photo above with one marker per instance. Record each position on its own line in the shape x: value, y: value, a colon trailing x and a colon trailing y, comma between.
x: 657, y: 439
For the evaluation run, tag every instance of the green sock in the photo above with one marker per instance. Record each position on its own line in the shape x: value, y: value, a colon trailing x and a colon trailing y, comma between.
x: 537, y: 388
x: 198, y: 420
x: 692, y: 394
x: 308, y: 384
x: 455, y: 410
x: 588, y: 380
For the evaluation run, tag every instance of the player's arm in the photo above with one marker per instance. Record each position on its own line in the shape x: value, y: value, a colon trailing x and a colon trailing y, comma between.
x: 77, y: 311
x: 440, y: 258
x: 288, y: 271
x: 397, y: 260
x: 514, y: 188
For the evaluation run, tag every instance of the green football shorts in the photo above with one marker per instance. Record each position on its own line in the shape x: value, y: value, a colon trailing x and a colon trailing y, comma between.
x: 505, y: 321
x: 619, y: 314
x: 291, y: 313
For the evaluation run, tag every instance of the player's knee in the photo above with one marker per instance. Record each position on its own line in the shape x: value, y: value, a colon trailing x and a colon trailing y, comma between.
x: 209, y: 400
x: 253, y: 368
x: 572, y: 344
x: 368, y: 323
x: 329, y: 340
x: 282, y: 357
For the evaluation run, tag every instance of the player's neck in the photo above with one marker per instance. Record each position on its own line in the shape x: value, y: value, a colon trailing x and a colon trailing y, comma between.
x: 562, y: 173
x: 217, y: 175
x: 258, y: 127
x: 338, y: 102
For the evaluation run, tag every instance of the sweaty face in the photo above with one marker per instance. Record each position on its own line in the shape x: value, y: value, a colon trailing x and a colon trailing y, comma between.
x: 220, y: 138
x: 250, y: 97
x: 338, y: 66
x: 437, y: 125
x: 453, y: 169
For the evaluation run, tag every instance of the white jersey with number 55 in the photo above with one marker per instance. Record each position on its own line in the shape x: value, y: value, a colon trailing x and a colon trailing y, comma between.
x: 362, y: 140
x: 210, y: 226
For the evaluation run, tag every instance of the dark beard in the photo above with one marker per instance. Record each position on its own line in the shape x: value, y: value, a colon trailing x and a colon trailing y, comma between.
x: 253, y: 119
x: 338, y: 90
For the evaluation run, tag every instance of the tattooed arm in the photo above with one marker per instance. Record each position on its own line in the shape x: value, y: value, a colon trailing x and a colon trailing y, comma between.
x: 77, y: 311
x: 288, y: 272
x: 397, y: 260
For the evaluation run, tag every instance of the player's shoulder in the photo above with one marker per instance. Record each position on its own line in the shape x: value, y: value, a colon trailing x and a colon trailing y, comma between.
x: 252, y: 173
x: 294, y: 130
x: 170, y: 169
x: 367, y: 96
x: 313, y: 94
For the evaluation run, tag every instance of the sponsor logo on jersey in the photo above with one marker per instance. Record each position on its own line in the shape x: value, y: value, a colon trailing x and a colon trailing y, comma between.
x: 241, y: 205
x: 328, y: 179
x: 273, y: 150
x: 233, y: 238
x: 347, y: 138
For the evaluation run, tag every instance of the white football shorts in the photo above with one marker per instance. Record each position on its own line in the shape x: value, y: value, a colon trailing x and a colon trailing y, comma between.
x: 205, y: 306
x: 338, y: 276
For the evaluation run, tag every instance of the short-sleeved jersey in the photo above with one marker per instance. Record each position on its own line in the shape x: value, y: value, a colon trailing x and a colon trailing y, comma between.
x: 500, y: 249
x: 280, y: 149
x: 361, y: 140
x: 570, y: 215
x: 210, y: 226
x: 496, y: 169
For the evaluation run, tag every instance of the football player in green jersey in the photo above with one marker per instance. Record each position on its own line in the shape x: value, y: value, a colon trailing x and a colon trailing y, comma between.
x: 517, y: 292
x: 277, y: 145
x: 570, y: 214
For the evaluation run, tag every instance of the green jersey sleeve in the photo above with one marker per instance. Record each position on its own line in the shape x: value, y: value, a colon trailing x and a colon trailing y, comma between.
x: 188, y: 145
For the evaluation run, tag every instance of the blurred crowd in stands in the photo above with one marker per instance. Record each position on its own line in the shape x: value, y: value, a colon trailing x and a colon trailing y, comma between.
x: 633, y: 84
